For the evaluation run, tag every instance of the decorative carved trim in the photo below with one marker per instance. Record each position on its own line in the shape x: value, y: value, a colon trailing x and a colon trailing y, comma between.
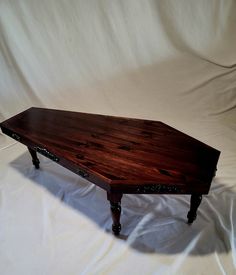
x: 83, y: 173
x: 15, y: 136
x: 158, y: 188
x: 11, y: 134
x: 46, y: 153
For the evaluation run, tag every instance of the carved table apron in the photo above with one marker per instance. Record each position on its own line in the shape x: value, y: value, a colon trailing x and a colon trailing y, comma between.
x: 121, y: 155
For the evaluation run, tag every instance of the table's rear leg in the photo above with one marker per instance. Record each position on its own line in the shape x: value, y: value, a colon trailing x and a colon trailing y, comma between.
x: 194, y: 204
x: 35, y: 159
x: 115, y: 202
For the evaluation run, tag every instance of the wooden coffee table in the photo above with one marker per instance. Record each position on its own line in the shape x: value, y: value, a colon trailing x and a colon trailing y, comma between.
x: 121, y: 155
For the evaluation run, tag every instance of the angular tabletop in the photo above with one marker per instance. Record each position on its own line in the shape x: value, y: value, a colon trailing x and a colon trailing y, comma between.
x: 118, y: 154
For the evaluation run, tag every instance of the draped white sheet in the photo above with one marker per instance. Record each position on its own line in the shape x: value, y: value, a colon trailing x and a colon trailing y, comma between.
x: 172, y: 61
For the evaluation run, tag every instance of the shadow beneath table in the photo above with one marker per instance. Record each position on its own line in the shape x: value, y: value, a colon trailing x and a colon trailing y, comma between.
x: 150, y: 223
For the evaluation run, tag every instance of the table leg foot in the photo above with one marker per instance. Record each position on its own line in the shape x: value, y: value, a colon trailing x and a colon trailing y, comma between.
x: 115, y: 203
x: 116, y: 211
x: 194, y: 204
x: 35, y: 159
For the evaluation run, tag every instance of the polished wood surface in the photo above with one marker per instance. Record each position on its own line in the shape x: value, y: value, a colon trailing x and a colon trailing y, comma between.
x: 119, y: 154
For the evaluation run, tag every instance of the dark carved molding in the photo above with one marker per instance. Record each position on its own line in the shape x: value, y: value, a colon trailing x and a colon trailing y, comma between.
x: 83, y: 173
x: 11, y: 134
x: 158, y: 188
x: 46, y: 153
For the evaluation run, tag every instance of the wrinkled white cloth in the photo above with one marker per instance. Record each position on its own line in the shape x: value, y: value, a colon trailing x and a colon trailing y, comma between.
x: 172, y: 61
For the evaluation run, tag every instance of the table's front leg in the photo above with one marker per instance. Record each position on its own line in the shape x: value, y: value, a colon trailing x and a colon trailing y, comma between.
x: 115, y: 203
x: 35, y: 159
x: 194, y: 204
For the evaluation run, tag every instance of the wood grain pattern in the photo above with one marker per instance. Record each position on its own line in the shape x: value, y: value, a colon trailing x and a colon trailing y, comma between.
x: 119, y: 154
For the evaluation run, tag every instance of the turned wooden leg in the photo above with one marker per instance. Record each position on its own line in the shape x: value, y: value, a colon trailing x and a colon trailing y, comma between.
x: 194, y: 204
x: 115, y: 199
x: 35, y: 159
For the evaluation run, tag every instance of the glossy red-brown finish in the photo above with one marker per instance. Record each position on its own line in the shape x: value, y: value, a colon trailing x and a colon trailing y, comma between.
x: 121, y: 155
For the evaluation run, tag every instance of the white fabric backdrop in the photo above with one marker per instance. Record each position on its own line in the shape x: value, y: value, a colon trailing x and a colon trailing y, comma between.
x: 166, y: 60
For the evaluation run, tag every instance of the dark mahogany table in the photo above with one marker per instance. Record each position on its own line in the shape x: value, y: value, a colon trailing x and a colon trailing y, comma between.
x: 121, y: 155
